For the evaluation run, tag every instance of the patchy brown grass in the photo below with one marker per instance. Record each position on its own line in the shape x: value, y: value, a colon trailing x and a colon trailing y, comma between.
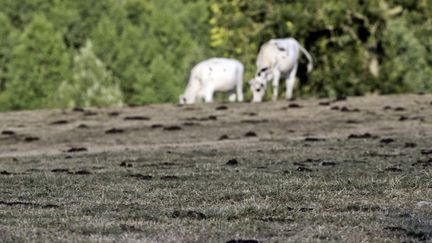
x: 354, y: 170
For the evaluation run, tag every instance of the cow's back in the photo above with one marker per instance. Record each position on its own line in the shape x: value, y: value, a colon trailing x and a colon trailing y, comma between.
x: 266, y: 55
x: 221, y: 73
x: 280, y: 53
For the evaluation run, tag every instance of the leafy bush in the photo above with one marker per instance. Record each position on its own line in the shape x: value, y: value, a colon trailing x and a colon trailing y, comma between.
x: 91, y: 84
x: 142, y: 50
x: 40, y: 63
x: 358, y: 47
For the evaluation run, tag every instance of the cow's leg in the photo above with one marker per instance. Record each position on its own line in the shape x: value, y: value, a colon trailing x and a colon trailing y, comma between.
x: 208, y: 95
x: 239, y: 88
x: 290, y: 81
x: 201, y: 94
x: 276, y: 77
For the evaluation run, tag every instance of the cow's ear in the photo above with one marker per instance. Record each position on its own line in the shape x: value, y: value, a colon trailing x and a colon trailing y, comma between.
x: 182, y: 99
x: 262, y: 70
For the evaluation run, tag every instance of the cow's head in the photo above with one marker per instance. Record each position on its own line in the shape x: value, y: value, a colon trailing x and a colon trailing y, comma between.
x: 182, y: 100
x: 258, y: 89
x: 186, y: 99
x: 258, y: 84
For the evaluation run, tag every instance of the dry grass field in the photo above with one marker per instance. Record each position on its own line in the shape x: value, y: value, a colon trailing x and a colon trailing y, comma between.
x: 346, y: 170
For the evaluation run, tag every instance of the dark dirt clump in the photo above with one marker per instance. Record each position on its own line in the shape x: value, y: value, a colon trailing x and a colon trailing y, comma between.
x: 81, y: 172
x: 412, y: 118
x: 141, y: 176
x: 221, y: 108
x: 346, y: 109
x: 232, y: 162
x: 114, y: 131
x: 36, y: 205
x: 424, y: 163
x: 190, y: 124
x: 254, y: 121
x: 303, y: 169
x: 250, y: 113
x: 137, y: 118
x: 78, y: 109
x: 209, y: 118
x: 31, y: 139
x: 60, y: 170
x: 189, y: 214
x: 223, y: 137
x: 325, y: 163
x: 362, y: 136
x: 393, y: 169
x: 77, y: 150
x: 312, y: 139
x: 59, y: 122
x: 113, y: 113
x: 243, y: 241
x: 387, y: 140
x: 172, y: 128
x: 410, y: 145
x: 426, y: 151
x: 8, y: 132
x: 353, y: 122
x: 294, y: 105
x: 324, y: 103
x: 83, y: 126
x: 154, y: 126
x: 90, y: 113
x: 305, y: 209
x: 125, y: 164
x: 169, y: 178
x: 250, y: 134
x: 340, y: 98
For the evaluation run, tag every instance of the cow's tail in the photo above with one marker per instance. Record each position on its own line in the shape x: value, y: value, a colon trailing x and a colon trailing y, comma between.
x: 309, y: 57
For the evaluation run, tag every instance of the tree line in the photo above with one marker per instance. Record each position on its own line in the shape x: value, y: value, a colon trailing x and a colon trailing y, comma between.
x: 77, y: 53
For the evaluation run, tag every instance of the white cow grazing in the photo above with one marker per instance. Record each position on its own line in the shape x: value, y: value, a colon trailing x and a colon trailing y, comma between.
x: 277, y: 57
x: 214, y: 74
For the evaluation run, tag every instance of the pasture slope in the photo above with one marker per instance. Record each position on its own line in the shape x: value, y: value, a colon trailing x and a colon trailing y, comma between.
x: 349, y: 170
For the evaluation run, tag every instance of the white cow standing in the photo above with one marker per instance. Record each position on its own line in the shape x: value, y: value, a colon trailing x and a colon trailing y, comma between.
x: 214, y: 74
x: 277, y: 57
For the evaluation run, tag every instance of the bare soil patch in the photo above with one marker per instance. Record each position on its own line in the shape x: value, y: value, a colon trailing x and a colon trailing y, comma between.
x: 349, y: 169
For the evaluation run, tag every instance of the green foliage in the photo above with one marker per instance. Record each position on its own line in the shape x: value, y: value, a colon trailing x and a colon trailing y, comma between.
x: 170, y: 51
x: 407, y: 67
x: 40, y: 63
x: 354, y: 43
x: 146, y: 48
x: 91, y: 84
x: 21, y: 13
x: 152, y: 52
x: 5, y: 48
